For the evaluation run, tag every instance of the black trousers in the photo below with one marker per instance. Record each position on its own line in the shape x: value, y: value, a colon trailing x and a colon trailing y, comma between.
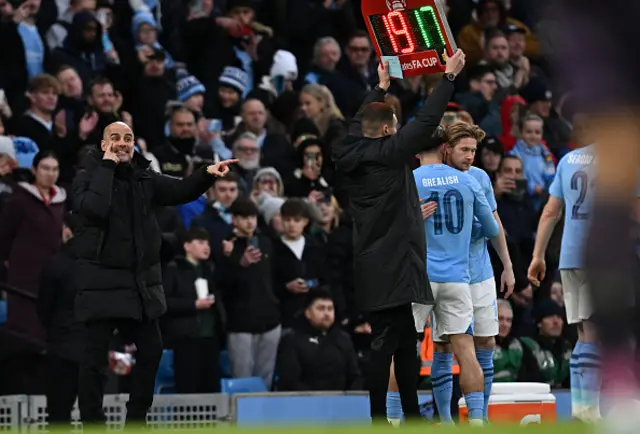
x: 196, y: 362
x: 94, y: 366
x: 61, y: 388
x: 393, y: 334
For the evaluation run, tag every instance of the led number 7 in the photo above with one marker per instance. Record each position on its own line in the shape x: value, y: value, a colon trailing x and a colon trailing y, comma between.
x: 391, y: 21
x: 428, y: 23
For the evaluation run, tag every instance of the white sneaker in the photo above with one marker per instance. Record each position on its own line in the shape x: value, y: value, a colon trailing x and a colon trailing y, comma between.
x: 476, y: 422
x: 394, y: 422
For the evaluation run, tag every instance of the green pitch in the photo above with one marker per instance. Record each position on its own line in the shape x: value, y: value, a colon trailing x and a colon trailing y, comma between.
x: 408, y: 429
x: 417, y: 429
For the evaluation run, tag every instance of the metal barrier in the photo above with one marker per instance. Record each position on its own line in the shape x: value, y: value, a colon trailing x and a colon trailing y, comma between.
x: 167, y: 411
x: 25, y: 413
x: 12, y: 411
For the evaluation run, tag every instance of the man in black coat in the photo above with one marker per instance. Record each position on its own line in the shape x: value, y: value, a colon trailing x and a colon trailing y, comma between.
x: 318, y: 355
x: 118, y: 268
x: 389, y: 240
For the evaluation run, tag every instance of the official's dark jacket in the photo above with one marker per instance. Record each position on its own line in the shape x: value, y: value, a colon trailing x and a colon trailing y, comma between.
x: 389, y: 240
x: 182, y: 319
x: 65, y: 335
x: 309, y: 359
x: 118, y: 245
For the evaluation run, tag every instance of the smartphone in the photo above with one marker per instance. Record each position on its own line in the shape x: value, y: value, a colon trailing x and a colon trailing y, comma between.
x: 253, y: 242
x: 279, y: 84
x: 215, y: 126
x: 312, y: 283
x: 521, y: 185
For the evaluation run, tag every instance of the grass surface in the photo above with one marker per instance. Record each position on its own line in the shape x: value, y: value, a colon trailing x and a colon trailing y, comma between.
x: 562, y: 428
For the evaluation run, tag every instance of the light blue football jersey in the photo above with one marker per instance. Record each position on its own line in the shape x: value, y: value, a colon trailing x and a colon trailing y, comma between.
x: 479, y: 262
x: 574, y: 184
x: 448, y: 231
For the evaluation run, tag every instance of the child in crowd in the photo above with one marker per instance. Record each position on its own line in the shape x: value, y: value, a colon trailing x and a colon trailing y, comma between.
x: 299, y: 261
x: 245, y: 280
x: 537, y: 160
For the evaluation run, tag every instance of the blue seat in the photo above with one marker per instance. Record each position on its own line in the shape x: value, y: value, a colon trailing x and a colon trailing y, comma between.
x: 3, y: 312
x: 225, y: 364
x: 165, y: 378
x: 242, y: 385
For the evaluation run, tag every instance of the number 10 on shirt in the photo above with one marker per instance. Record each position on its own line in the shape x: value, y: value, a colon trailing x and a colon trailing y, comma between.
x: 453, y: 206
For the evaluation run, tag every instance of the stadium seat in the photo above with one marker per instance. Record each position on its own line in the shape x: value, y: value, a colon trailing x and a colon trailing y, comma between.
x: 225, y: 364
x: 165, y: 383
x: 242, y: 385
x: 3, y: 312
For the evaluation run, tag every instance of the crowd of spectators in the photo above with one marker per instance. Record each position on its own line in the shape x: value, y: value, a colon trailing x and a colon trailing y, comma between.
x: 260, y: 266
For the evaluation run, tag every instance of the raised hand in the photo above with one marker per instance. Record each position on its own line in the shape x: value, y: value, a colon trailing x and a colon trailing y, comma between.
x: 110, y: 155
x: 455, y: 63
x: 60, y: 123
x: 220, y: 169
x: 87, y: 125
x: 227, y: 247
x: 251, y: 256
x: 383, y: 75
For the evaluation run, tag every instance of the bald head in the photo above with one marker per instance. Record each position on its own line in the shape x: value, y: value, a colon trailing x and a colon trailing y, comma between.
x: 118, y: 137
x: 105, y: 132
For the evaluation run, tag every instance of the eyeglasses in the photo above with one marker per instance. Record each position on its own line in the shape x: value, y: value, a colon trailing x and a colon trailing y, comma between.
x: 247, y: 149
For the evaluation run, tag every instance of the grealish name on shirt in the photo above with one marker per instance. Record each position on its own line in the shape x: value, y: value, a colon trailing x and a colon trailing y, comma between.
x: 439, y: 181
x: 580, y: 159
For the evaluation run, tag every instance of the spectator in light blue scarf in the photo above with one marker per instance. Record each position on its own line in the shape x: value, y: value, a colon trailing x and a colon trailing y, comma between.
x: 537, y: 161
x: 145, y: 33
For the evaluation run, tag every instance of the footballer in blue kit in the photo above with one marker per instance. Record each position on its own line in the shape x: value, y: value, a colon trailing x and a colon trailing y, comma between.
x: 482, y: 283
x: 573, y: 191
x: 460, y: 199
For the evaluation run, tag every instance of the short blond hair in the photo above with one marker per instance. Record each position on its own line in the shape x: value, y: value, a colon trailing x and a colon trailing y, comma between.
x: 462, y: 130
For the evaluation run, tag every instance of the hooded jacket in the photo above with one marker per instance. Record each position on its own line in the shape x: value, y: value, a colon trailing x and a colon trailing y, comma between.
x: 88, y: 60
x: 389, y: 244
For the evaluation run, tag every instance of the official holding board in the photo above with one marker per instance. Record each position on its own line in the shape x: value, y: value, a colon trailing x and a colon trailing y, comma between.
x: 389, y: 246
x: 389, y: 240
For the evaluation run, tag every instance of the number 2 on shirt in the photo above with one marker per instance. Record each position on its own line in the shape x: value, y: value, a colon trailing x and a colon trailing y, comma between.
x: 580, y: 183
x: 452, y: 223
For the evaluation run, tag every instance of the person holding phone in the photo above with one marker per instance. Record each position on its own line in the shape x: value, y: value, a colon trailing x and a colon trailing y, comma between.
x: 299, y: 262
x: 515, y: 206
x: 244, y: 277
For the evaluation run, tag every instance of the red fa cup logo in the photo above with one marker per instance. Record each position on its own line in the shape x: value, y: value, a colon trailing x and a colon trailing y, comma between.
x: 396, y: 5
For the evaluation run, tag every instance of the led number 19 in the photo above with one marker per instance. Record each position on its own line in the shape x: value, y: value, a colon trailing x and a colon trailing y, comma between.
x: 396, y: 25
